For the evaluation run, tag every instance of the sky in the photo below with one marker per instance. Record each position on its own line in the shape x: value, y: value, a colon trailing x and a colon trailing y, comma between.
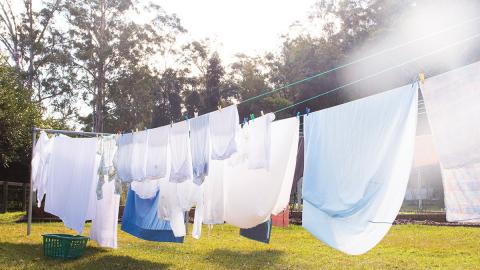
x: 249, y: 26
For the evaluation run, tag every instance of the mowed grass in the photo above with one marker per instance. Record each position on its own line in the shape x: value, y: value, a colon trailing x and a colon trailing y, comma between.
x: 405, y: 247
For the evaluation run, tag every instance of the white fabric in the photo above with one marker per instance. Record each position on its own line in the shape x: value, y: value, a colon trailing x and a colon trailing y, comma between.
x: 259, y: 138
x: 106, y: 169
x: 40, y: 165
x: 200, y: 145
x: 123, y: 157
x: 452, y: 102
x: 181, y: 157
x: 157, y: 152
x: 358, y: 158
x: 251, y: 195
x: 105, y: 223
x: 223, y: 130
x: 72, y: 179
x: 146, y: 189
x: 213, y: 194
x: 139, y: 155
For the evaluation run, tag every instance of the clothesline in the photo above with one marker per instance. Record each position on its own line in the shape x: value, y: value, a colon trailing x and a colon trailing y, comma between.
x: 361, y: 59
x: 380, y: 72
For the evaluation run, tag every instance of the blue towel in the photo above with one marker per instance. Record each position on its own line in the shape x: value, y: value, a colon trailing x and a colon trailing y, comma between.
x: 140, y: 220
x: 260, y: 233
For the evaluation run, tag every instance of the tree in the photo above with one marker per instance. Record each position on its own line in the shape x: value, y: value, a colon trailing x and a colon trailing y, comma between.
x: 213, y: 83
x: 107, y: 44
x: 37, y: 49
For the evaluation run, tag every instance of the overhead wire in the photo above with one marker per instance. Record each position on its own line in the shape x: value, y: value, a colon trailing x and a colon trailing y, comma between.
x: 380, y: 72
x: 359, y: 60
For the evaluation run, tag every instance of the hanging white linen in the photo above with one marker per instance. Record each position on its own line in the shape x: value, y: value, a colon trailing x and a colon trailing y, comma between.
x: 40, y: 165
x: 213, y: 194
x: 251, y: 195
x: 106, y: 169
x: 223, y: 130
x: 105, y: 223
x: 180, y: 154
x: 123, y: 157
x: 258, y: 146
x: 358, y: 158
x: 72, y: 180
x: 139, y: 155
x: 200, y: 145
x: 452, y: 103
x: 157, y: 152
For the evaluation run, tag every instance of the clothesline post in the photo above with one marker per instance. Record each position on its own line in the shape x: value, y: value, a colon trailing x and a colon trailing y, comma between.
x: 30, y: 197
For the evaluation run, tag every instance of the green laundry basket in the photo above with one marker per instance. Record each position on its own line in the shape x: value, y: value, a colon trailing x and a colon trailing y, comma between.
x: 64, y: 246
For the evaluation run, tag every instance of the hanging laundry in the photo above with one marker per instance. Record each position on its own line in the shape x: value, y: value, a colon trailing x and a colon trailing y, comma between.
x: 157, y: 152
x: 106, y: 170
x: 358, y: 158
x: 181, y: 157
x: 72, y: 180
x: 140, y: 220
x: 259, y: 139
x: 105, y: 222
x: 213, y: 194
x: 223, y: 130
x: 40, y: 165
x: 200, y: 145
x: 123, y: 157
x: 260, y: 233
x: 452, y: 103
x: 139, y: 155
x: 251, y: 195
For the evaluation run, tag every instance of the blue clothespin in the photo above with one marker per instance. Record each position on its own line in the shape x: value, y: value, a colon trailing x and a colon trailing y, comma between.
x: 186, y: 116
x: 298, y: 114
x: 252, y: 116
x: 307, y: 111
x: 245, y: 120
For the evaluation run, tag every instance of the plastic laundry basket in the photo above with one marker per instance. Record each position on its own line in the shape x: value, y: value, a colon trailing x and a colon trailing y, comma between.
x: 64, y: 246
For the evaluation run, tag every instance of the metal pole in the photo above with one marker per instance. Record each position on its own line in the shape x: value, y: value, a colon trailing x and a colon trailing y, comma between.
x: 30, y: 200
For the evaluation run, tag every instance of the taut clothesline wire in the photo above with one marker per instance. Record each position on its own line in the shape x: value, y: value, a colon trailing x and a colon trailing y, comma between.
x: 380, y: 72
x: 359, y: 60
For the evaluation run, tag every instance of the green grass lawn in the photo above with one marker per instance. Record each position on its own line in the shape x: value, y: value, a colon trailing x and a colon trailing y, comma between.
x: 405, y: 247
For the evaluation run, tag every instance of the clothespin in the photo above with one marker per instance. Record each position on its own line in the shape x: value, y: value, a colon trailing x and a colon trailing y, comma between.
x: 195, y: 114
x: 307, y: 111
x: 136, y: 130
x: 298, y: 114
x: 261, y: 113
x: 171, y: 123
x: 252, y: 116
x: 132, y: 131
x: 186, y: 116
x: 245, y: 120
x: 421, y: 77
x: 219, y: 108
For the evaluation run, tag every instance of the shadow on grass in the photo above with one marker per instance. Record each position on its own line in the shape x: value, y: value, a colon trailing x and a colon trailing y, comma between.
x: 254, y: 259
x: 22, y: 256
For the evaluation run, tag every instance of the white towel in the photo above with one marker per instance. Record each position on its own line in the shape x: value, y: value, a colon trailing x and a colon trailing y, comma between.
x: 157, y: 152
x: 259, y: 140
x: 223, y: 132
x: 200, y: 145
x: 181, y: 157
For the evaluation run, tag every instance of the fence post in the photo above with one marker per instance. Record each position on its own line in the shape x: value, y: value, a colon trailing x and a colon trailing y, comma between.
x: 5, y: 196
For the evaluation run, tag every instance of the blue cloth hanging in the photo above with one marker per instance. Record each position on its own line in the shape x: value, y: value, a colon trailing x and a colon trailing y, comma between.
x: 260, y: 233
x: 357, y: 164
x: 140, y: 220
